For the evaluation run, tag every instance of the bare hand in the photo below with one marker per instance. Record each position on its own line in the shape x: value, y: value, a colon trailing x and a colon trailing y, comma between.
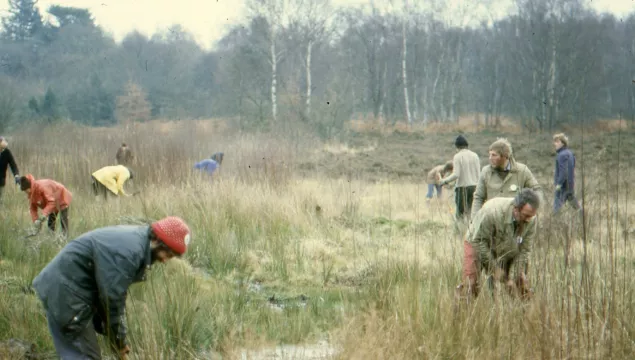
x: 499, y: 274
x: 123, y: 353
x: 510, y: 285
x: 523, y: 285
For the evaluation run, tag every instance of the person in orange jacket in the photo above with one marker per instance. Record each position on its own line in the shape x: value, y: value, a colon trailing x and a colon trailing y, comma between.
x: 50, y: 196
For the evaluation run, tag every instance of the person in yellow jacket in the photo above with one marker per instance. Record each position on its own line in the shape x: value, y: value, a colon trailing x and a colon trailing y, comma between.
x: 111, y: 178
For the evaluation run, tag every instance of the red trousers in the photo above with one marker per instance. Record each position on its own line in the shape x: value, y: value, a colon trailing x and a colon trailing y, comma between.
x: 471, y: 268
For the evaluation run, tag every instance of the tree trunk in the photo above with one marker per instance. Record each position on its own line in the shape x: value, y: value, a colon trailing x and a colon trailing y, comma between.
x: 424, y: 101
x: 415, y: 83
x: 274, y: 81
x: 552, y: 84
x: 435, y: 84
x: 538, y: 99
x: 308, y: 78
x: 382, y: 92
x: 241, y: 117
x: 497, y: 95
x: 498, y: 104
x: 404, y: 73
x: 455, y: 82
x: 633, y: 85
x: 415, y: 101
x: 425, y: 81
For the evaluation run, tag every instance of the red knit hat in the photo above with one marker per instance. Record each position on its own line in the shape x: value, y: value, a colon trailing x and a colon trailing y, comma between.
x: 173, y: 232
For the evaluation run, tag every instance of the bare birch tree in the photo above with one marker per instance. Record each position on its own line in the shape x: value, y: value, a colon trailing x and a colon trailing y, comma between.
x: 275, y: 12
x: 404, y: 55
x: 312, y: 17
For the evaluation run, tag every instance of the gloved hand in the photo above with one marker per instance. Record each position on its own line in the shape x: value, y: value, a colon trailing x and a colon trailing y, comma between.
x: 17, y: 179
x: 558, y: 187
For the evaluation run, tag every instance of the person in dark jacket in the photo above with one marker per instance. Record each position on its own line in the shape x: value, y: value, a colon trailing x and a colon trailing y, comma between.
x: 6, y: 160
x: 564, y: 176
x: 88, y: 281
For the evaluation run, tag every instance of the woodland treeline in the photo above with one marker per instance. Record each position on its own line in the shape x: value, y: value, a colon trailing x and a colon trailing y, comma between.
x: 305, y: 61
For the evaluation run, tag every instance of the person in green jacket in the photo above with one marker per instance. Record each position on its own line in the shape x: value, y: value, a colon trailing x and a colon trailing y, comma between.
x: 503, y: 177
x: 501, y: 235
x: 88, y: 281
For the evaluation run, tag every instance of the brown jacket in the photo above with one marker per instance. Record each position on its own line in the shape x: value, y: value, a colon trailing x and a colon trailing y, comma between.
x: 435, y: 175
x: 492, y: 185
x: 124, y: 156
x: 492, y: 234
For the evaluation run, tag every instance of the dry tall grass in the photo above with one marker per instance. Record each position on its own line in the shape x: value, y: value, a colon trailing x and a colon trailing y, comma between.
x: 278, y: 258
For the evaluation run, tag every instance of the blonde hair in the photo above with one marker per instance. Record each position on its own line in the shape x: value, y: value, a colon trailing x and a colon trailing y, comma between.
x: 503, y: 147
x: 562, y: 138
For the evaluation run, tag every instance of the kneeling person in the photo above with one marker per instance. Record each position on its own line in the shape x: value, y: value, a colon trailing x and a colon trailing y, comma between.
x: 501, y: 235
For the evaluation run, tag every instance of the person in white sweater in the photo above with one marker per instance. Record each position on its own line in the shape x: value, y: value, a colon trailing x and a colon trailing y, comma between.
x: 467, y: 167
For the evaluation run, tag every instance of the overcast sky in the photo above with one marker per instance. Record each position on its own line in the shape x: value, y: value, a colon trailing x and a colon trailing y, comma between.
x: 207, y: 19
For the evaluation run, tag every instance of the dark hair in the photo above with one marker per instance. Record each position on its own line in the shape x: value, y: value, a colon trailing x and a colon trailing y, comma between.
x: 152, y: 236
x: 24, y: 183
x: 527, y: 196
x: 218, y: 157
x: 461, y: 142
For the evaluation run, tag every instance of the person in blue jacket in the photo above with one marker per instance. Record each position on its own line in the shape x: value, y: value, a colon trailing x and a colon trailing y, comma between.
x: 88, y: 281
x: 564, y: 176
x: 210, y: 165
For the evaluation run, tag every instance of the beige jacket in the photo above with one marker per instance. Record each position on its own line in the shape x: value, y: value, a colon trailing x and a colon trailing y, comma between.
x: 492, y: 234
x: 466, y: 169
x: 492, y: 185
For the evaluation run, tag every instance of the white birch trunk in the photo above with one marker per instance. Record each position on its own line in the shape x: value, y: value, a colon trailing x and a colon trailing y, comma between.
x: 455, y: 79
x: 424, y: 97
x: 309, y: 48
x: 435, y: 84
x: 551, y: 83
x: 415, y: 101
x: 404, y: 73
x: 383, y: 92
x: 274, y: 77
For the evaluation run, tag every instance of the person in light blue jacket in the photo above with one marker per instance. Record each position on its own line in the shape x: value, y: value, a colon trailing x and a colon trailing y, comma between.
x: 210, y: 165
